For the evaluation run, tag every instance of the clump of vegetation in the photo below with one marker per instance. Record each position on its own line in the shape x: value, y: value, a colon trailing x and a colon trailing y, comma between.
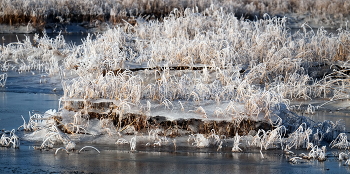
x: 211, y: 75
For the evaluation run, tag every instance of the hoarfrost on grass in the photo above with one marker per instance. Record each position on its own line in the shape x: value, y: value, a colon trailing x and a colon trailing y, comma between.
x: 209, y: 66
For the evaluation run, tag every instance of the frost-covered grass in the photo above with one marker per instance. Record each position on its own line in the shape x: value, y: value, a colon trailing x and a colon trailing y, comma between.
x: 10, y: 141
x: 215, y: 78
x: 38, y: 13
x: 258, y: 64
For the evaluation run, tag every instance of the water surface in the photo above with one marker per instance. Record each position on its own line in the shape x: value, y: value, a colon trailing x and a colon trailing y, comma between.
x: 69, y: 38
x: 110, y: 160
